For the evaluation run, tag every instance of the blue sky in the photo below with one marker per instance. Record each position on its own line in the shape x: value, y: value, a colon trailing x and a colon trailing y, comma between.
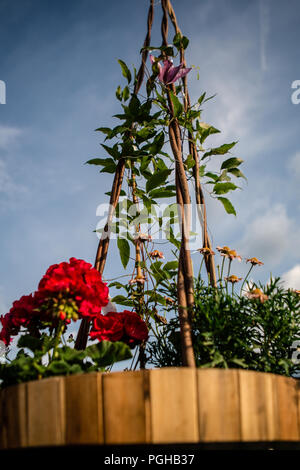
x: 59, y: 62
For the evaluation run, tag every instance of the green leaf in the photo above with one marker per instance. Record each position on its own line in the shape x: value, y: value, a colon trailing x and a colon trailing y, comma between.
x: 71, y: 355
x: 157, y: 144
x: 177, y: 40
x: 227, y: 205
x: 223, y: 188
x: 200, y: 100
x: 121, y: 300
x: 122, y: 193
x: 134, y: 106
x: 177, y: 106
x: 119, y: 93
x: 104, y: 130
x: 112, y: 151
x: 125, y: 71
x: 124, y: 250
x: 58, y: 367
x: 99, y: 161
x: 126, y: 93
x: 211, y: 175
x: 224, y: 176
x: 111, y: 168
x: 190, y: 162
x: 157, y: 179
x: 220, y: 150
x: 180, y: 41
x: 185, y: 42
x: 231, y: 163
x: 157, y: 193
x: 106, y: 353
x: 171, y: 265
x: 237, y: 172
x: 204, y: 130
x: 30, y: 342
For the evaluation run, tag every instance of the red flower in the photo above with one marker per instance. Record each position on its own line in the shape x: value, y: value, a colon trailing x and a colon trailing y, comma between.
x: 124, y: 326
x: 21, y: 314
x: 67, y: 291
x: 135, y: 327
x: 78, y: 280
x: 108, y: 327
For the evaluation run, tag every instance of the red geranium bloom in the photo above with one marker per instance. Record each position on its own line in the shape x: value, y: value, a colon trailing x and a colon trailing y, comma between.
x: 124, y: 326
x: 21, y: 314
x: 109, y: 327
x: 135, y: 327
x: 67, y: 291
x: 77, y: 279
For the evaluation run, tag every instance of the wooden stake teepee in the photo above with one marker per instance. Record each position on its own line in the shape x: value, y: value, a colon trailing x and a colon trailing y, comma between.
x: 185, y: 271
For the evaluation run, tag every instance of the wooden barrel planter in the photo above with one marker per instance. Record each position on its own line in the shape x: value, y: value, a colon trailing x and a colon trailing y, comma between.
x: 159, y: 406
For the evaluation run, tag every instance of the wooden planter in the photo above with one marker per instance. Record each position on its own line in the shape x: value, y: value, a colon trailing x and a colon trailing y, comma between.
x: 169, y: 405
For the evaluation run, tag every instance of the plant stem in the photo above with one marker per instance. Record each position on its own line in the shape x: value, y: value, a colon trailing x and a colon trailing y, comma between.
x: 58, y: 332
x: 246, y: 279
x: 228, y: 273
x: 222, y: 269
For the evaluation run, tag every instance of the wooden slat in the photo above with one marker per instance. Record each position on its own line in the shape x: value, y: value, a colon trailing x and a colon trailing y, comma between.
x: 219, y: 405
x: 173, y: 402
x: 287, y: 408
x: 259, y: 417
x: 46, y: 414
x: 15, y: 415
x: 125, y: 401
x: 83, y: 401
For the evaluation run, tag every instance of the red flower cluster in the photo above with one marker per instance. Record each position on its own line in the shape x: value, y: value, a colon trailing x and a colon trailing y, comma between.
x: 20, y: 314
x: 124, y: 326
x: 80, y: 281
x: 66, y: 292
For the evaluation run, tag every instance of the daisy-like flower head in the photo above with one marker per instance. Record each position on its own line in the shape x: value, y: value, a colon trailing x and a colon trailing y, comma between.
x: 156, y: 254
x: 142, y: 237
x: 206, y: 251
x: 160, y: 318
x: 254, y: 261
x: 137, y: 280
x: 257, y: 294
x: 169, y: 301
x: 223, y: 249
x: 233, y: 279
x: 228, y: 253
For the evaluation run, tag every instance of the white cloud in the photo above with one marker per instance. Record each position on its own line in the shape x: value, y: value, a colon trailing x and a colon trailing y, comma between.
x: 291, y: 278
x: 268, y: 236
x: 294, y: 164
x: 8, y: 136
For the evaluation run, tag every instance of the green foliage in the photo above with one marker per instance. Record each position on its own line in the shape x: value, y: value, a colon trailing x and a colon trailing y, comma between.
x: 124, y: 250
x: 125, y: 70
x: 37, y: 359
x: 180, y: 41
x: 236, y: 331
x: 227, y: 205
